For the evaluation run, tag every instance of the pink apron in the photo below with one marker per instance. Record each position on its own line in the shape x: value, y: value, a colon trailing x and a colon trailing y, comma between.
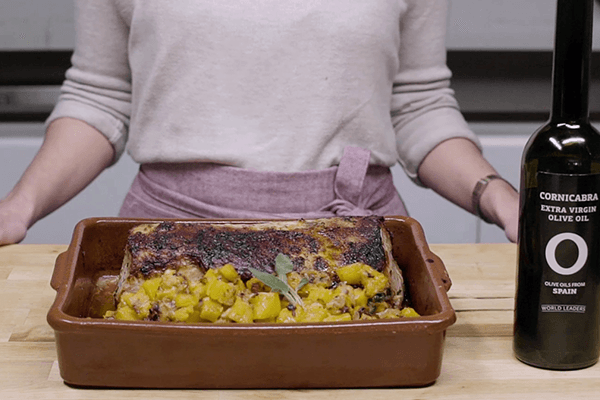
x: 203, y: 190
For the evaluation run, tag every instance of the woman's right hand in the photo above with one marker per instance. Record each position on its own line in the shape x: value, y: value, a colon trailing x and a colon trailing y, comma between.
x: 13, y: 221
x: 71, y: 156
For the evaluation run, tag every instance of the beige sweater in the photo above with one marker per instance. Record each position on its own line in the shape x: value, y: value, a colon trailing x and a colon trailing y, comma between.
x: 264, y: 84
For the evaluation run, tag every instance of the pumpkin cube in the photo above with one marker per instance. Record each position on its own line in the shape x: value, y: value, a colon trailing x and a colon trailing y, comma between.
x: 374, y: 282
x: 151, y: 287
x: 228, y: 272
x: 340, y: 317
x: 222, y: 292
x: 351, y: 274
x: 409, y: 312
x: 210, y: 275
x: 186, y: 300
x: 240, y: 312
x: 198, y: 289
x: 210, y: 310
x: 182, y: 314
x: 314, y: 312
x: 126, y: 313
x: 265, y: 305
x: 286, y: 315
x: 319, y: 294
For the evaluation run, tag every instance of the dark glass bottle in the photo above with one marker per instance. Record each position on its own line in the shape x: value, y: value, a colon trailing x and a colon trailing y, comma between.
x: 557, y: 315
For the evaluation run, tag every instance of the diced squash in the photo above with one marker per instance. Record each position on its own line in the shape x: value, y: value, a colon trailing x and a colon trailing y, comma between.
x: 139, y: 302
x: 170, y: 280
x: 194, y: 317
x: 336, y: 304
x: 198, y: 289
x: 126, y: 313
x: 361, y: 274
x: 151, y: 287
x: 182, y: 314
x: 346, y: 293
x: 210, y: 275
x: 168, y: 293
x: 374, y: 282
x: 319, y: 294
x: 285, y: 315
x: 228, y: 272
x: 351, y: 274
x: 266, y: 305
x: 359, y: 297
x: 222, y: 292
x: 240, y: 312
x: 314, y: 312
x: 409, y: 312
x: 340, y: 317
x: 186, y: 300
x: 366, y: 317
x: 319, y: 278
x: 210, y: 310
x: 379, y: 307
x: 240, y: 286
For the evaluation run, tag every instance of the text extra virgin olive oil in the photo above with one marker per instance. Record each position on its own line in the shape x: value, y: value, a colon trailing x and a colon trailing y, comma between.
x: 557, y: 299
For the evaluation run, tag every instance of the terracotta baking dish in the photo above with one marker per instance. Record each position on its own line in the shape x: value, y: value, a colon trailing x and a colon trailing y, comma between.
x: 93, y: 352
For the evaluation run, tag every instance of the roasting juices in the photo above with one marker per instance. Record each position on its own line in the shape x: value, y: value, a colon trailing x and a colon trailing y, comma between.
x: 557, y: 319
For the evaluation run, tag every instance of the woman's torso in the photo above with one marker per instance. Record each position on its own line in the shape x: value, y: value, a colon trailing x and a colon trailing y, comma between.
x: 264, y: 85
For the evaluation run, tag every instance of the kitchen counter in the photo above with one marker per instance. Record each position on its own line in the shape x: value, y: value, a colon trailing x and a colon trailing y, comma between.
x: 478, y: 362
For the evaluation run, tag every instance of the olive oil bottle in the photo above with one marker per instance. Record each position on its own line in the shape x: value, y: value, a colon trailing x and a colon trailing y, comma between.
x: 557, y: 314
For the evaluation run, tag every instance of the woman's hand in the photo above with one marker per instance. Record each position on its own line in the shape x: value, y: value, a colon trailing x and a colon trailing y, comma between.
x: 13, y: 221
x: 511, y: 230
x: 453, y: 168
x: 500, y: 203
x: 72, y: 155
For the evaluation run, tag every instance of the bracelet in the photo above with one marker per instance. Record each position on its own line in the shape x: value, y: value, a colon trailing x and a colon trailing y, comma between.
x: 478, y: 192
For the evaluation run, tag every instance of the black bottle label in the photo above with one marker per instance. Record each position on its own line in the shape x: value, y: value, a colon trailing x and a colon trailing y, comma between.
x: 569, y: 217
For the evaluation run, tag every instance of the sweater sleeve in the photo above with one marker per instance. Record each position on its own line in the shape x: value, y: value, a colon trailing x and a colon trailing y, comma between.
x: 424, y: 111
x: 97, y: 87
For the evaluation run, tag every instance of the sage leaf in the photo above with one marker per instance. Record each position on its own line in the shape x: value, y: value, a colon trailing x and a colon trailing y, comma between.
x: 302, y: 282
x: 272, y: 281
x: 283, y: 266
x: 278, y: 283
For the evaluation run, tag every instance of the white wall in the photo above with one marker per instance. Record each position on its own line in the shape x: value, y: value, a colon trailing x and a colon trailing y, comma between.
x: 473, y: 24
x: 36, y: 24
x: 505, y: 25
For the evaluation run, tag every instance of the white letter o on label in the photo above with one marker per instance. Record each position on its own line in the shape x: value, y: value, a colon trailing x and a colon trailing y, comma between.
x: 551, y: 253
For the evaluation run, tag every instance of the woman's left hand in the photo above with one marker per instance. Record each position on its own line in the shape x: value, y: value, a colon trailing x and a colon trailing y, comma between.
x: 453, y: 168
x: 500, y: 203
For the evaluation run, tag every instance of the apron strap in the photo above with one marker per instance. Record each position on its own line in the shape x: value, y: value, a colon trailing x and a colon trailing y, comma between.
x: 348, y: 184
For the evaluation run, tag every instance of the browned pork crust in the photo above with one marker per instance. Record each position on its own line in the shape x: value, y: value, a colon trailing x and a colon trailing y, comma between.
x: 320, y: 244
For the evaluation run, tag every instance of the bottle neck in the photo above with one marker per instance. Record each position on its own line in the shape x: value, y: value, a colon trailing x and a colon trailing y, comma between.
x: 571, y: 69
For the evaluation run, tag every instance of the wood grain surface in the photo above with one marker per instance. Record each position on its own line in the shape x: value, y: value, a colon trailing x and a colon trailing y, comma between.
x: 478, y: 361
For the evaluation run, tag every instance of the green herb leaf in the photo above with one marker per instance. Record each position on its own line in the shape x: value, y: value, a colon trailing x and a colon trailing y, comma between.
x: 283, y: 266
x: 303, y: 282
x: 271, y: 281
